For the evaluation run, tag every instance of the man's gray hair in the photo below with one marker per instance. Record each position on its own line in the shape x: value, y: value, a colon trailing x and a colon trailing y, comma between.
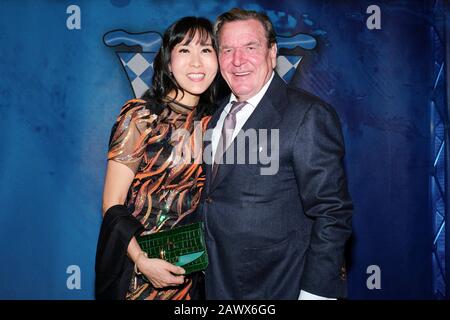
x: 237, y: 14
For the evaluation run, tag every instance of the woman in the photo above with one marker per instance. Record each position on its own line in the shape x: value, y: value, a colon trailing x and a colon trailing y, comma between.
x: 152, y: 181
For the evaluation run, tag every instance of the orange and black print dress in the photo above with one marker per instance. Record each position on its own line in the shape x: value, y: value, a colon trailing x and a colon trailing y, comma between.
x: 162, y: 144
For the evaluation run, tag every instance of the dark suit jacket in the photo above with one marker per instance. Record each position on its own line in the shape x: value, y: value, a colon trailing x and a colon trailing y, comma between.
x: 269, y: 236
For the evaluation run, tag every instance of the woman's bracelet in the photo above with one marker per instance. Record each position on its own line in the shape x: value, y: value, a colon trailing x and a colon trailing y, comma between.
x: 142, y: 253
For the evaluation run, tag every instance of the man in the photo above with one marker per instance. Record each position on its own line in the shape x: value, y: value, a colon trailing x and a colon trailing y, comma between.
x: 278, y: 236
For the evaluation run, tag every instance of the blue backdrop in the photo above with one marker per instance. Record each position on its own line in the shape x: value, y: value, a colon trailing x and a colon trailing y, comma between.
x: 62, y: 85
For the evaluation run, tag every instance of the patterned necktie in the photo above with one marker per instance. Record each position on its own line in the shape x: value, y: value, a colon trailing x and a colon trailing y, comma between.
x: 227, y: 134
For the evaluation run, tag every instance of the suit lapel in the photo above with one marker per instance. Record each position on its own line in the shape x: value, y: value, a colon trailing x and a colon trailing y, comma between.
x: 265, y: 116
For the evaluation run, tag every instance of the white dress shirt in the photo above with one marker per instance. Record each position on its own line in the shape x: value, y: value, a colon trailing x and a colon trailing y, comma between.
x: 241, y: 118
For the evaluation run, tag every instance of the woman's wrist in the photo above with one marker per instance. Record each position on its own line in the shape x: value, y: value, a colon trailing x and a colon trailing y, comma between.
x: 139, y: 258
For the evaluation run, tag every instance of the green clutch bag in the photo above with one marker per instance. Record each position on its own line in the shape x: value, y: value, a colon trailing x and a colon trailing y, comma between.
x: 182, y: 246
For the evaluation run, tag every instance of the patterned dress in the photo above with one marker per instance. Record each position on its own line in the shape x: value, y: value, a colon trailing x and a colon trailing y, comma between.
x: 162, y: 144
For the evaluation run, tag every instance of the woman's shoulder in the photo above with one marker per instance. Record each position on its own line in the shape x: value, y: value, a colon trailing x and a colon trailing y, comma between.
x: 135, y: 109
x: 132, y: 129
x: 135, y: 116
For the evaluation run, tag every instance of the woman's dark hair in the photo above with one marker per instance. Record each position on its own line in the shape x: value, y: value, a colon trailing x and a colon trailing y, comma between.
x: 163, y: 81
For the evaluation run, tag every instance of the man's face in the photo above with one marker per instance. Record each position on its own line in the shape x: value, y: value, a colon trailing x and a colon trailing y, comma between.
x: 246, y: 63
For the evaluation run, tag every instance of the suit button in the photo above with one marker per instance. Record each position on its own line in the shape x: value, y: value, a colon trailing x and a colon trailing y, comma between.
x: 209, y: 200
x: 343, y: 273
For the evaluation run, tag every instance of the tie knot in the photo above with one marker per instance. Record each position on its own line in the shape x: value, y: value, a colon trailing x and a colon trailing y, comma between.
x: 236, y: 106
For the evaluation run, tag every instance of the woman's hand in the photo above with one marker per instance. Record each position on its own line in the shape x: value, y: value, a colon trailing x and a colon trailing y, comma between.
x: 159, y: 272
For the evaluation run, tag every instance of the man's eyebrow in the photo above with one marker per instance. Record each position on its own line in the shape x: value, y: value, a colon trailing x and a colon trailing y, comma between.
x: 251, y: 43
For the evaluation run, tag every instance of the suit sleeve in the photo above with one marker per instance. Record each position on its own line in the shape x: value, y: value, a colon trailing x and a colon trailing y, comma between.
x: 318, y: 153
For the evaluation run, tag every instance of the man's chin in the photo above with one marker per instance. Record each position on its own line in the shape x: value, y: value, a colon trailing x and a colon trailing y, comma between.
x: 242, y: 93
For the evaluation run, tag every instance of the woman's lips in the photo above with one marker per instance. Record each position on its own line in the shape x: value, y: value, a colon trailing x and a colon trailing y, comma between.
x: 196, y: 77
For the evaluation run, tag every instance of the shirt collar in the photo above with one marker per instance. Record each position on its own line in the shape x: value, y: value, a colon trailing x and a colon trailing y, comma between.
x: 253, y: 101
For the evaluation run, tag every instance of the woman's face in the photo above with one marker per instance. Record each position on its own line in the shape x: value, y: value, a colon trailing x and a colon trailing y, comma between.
x: 194, y: 66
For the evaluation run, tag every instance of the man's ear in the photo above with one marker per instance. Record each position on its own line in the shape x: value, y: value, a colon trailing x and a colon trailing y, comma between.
x: 273, y: 54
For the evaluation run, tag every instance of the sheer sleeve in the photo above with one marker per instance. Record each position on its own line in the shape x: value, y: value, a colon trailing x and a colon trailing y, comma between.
x: 130, y: 133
